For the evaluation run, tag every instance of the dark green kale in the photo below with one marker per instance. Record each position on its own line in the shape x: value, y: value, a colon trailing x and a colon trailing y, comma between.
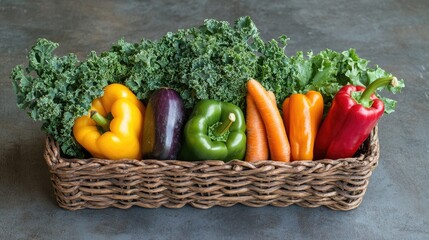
x: 212, y: 61
x: 57, y: 90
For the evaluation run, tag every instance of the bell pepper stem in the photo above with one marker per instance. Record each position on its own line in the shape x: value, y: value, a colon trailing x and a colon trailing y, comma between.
x: 365, y: 98
x: 221, y: 129
x: 101, y: 121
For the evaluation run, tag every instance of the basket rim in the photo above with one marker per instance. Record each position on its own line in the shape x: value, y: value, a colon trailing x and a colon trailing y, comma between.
x: 369, y: 157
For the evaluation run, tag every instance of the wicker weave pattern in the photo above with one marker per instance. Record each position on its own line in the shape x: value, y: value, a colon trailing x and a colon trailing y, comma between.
x: 98, y: 183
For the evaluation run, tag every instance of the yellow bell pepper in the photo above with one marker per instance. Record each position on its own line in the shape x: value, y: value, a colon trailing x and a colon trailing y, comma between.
x: 119, y: 138
x: 302, y: 115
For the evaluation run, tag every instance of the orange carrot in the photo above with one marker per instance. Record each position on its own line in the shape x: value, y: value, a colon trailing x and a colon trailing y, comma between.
x: 272, y: 97
x: 257, y: 143
x: 276, y: 134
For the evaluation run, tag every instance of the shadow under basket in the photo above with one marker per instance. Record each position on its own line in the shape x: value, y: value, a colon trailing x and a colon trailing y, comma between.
x: 99, y: 183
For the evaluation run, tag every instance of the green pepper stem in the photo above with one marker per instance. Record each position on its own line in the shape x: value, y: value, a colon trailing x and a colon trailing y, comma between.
x: 221, y: 129
x: 365, y: 98
x: 101, y: 121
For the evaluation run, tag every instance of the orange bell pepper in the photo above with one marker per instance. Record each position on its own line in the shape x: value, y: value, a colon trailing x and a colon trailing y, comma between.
x: 302, y: 115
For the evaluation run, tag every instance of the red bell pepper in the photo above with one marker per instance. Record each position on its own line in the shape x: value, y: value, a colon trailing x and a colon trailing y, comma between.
x: 354, y: 113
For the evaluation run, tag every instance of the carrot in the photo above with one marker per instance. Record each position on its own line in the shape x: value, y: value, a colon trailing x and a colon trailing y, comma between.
x: 276, y: 134
x: 257, y: 143
x: 272, y: 97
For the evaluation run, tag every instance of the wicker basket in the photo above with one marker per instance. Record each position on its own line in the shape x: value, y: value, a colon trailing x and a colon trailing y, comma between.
x: 99, y: 183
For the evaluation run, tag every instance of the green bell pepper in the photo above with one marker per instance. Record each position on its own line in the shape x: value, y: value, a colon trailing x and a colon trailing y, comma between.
x: 215, y: 131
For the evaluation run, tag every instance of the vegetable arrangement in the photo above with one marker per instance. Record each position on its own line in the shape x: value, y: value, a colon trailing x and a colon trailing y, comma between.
x: 209, y: 71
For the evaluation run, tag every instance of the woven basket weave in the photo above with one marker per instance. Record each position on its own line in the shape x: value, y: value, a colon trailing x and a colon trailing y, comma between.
x: 99, y: 183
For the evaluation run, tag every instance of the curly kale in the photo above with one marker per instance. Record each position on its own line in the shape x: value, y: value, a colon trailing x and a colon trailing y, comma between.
x: 212, y: 61
x: 57, y: 90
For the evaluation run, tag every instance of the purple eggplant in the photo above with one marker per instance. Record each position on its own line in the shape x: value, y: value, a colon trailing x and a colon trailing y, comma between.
x: 163, y: 123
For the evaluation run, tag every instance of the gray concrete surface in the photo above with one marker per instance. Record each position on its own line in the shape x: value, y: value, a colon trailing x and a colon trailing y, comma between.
x: 391, y: 33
